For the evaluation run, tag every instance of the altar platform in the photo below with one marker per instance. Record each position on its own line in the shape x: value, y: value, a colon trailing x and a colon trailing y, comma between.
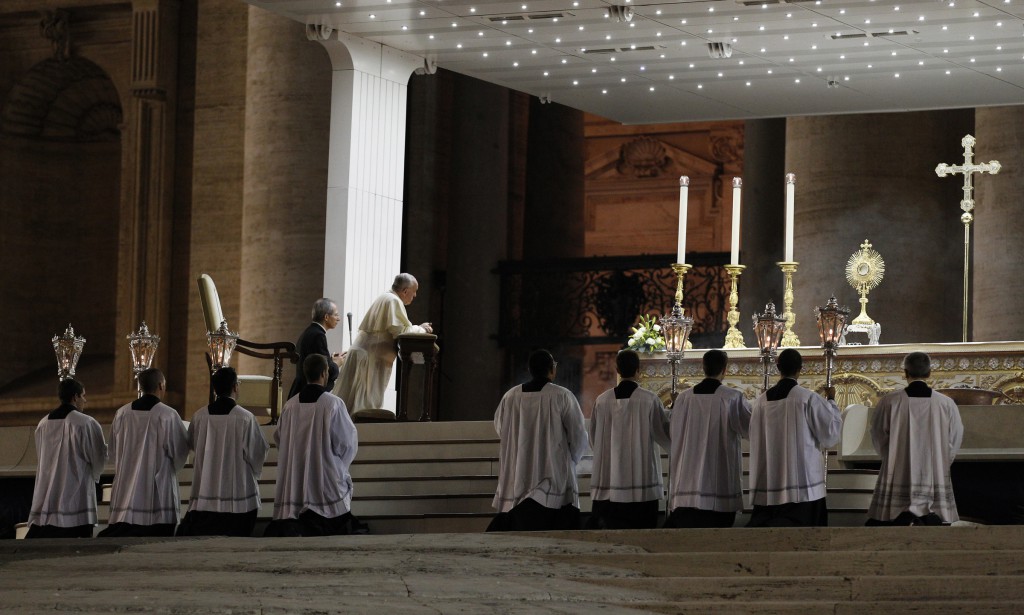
x: 862, y: 374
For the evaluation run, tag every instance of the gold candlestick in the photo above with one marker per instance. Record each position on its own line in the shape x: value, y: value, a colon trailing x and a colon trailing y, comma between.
x: 789, y: 338
x: 681, y: 269
x: 733, y: 337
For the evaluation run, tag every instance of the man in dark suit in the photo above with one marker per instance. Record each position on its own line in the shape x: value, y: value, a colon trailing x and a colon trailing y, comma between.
x: 314, y: 341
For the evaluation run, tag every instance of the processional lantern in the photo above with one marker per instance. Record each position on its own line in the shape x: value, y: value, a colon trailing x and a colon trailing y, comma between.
x: 676, y: 329
x: 222, y: 344
x: 143, y: 345
x: 68, y: 349
x: 768, y: 328
x: 832, y: 321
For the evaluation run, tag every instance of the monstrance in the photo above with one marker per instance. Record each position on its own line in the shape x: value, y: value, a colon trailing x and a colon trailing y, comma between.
x: 864, y: 272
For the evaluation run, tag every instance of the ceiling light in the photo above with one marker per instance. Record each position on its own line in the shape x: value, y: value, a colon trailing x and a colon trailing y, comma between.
x: 515, y: 64
x: 748, y: 84
x: 485, y: 54
x: 700, y: 86
x: 896, y: 76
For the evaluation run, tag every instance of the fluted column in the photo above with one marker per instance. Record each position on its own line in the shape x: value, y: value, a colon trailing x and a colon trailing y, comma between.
x: 287, y: 115
x: 366, y: 171
x: 998, y: 295
x: 872, y: 177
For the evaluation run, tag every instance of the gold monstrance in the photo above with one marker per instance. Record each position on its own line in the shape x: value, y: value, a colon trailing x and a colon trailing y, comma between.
x: 864, y: 271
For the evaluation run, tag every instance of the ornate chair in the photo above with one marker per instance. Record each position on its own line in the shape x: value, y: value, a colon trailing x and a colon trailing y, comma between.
x: 254, y: 391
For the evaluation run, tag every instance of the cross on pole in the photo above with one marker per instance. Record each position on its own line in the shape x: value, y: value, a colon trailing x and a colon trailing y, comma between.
x: 968, y: 168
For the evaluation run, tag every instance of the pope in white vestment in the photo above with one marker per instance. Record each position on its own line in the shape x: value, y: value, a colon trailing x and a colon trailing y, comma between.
x: 789, y: 426
x: 366, y: 370
x: 543, y: 437
x: 70, y: 452
x: 917, y: 432
x: 149, y: 445
x: 707, y: 423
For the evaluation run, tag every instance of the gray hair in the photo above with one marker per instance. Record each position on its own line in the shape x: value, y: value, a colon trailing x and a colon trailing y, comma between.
x: 917, y: 365
x: 403, y: 281
x: 321, y: 308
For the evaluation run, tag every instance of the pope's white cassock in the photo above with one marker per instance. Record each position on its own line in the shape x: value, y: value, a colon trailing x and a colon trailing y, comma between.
x: 71, y: 453
x: 317, y: 442
x: 367, y: 368
x: 148, y: 447
x: 543, y: 437
x: 229, y: 453
x: 917, y: 438
x: 706, y: 425
x: 786, y: 438
x: 623, y: 436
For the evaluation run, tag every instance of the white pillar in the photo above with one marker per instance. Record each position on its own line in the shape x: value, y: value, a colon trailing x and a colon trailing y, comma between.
x: 365, y: 176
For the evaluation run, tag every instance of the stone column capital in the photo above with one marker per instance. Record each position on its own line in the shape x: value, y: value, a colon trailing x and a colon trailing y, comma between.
x: 349, y: 52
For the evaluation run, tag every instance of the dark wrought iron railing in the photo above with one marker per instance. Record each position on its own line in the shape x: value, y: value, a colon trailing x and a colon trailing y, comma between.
x: 583, y: 301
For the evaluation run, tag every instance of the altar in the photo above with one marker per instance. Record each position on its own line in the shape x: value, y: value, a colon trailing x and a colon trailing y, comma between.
x: 862, y: 373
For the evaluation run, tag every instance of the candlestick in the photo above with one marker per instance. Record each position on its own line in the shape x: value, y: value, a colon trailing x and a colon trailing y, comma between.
x: 681, y: 269
x: 790, y: 208
x: 737, y: 183
x: 684, y: 195
x: 733, y: 337
x: 789, y: 338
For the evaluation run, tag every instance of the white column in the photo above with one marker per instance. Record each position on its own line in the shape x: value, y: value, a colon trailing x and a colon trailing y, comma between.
x: 365, y: 176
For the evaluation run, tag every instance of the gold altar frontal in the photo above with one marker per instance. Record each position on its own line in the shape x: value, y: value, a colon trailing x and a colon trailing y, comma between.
x: 862, y: 374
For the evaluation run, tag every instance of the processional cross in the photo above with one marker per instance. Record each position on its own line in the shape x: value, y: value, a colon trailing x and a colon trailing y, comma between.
x: 968, y: 168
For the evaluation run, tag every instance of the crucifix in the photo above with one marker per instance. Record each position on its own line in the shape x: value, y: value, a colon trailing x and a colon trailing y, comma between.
x: 968, y: 168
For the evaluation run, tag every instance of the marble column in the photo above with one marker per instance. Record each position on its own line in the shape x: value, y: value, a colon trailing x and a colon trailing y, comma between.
x: 872, y: 177
x: 365, y: 177
x: 144, y: 257
x: 761, y: 220
x: 472, y: 362
x: 287, y: 115
x: 998, y: 296
x: 218, y: 169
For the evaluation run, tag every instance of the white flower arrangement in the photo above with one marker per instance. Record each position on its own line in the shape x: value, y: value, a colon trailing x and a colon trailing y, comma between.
x: 647, y: 336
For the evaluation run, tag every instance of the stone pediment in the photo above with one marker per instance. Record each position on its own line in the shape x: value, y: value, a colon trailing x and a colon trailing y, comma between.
x: 647, y: 158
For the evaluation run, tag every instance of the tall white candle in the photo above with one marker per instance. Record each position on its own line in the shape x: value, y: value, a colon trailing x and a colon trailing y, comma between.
x: 737, y: 183
x: 684, y: 195
x: 790, y: 207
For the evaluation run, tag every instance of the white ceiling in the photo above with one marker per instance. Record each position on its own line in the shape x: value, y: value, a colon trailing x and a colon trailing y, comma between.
x: 941, y: 54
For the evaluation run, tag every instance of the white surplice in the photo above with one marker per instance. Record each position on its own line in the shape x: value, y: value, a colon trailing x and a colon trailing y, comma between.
x: 316, y: 443
x: 917, y: 438
x: 148, y: 447
x: 786, y: 438
x: 367, y: 368
x: 229, y: 453
x: 71, y: 453
x: 707, y: 456
x: 623, y: 436
x: 543, y: 437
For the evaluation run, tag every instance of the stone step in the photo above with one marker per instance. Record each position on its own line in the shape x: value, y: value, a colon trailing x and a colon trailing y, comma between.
x: 851, y: 607
x: 831, y: 539
x: 825, y: 588
x: 967, y: 563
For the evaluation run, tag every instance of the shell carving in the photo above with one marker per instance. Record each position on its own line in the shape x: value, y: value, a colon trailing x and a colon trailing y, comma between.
x: 643, y: 157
